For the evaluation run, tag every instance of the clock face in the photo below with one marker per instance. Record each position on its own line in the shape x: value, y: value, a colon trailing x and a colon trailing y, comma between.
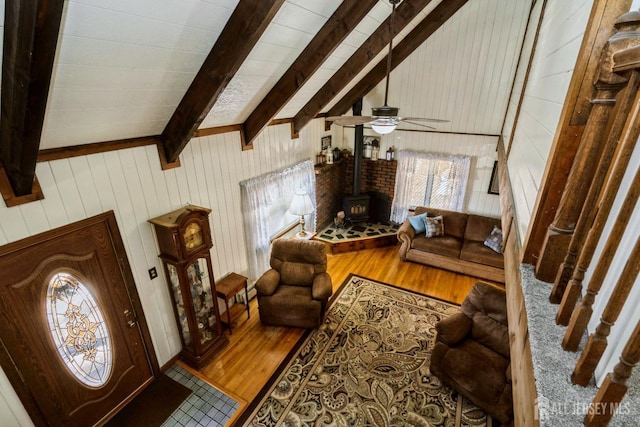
x: 193, y: 236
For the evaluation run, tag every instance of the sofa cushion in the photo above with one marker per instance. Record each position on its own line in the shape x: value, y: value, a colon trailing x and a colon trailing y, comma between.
x: 442, y: 245
x: 477, y: 369
x: 478, y: 252
x: 479, y: 227
x: 434, y: 226
x: 454, y: 222
x: 417, y: 222
x: 494, y: 240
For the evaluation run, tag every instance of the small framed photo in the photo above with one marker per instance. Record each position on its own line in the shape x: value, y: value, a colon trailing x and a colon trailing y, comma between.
x: 325, y: 142
x: 494, y: 187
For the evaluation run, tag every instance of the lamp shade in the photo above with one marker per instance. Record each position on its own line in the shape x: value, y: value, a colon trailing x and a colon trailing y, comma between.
x: 301, y: 204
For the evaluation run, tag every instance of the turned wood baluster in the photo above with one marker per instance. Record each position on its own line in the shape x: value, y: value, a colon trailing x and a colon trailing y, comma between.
x: 620, y: 116
x: 607, y: 85
x: 597, y: 342
x: 610, y: 394
x: 583, y: 311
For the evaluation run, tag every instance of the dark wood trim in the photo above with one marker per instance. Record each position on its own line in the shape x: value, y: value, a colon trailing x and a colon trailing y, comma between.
x: 30, y: 40
x: 243, y: 30
x: 217, y: 130
x: 572, y: 122
x: 526, y: 74
x: 95, y: 148
x: 410, y: 43
x: 9, y: 197
x: 339, y: 25
x: 123, y: 144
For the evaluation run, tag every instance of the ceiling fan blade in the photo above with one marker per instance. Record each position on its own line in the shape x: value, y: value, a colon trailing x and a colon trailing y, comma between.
x: 418, y: 124
x: 423, y: 119
x: 349, y: 120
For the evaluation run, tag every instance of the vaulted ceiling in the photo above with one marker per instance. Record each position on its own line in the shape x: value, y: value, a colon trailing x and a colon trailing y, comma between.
x: 158, y: 71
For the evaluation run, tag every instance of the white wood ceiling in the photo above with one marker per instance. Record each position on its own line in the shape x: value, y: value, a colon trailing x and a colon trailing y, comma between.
x: 122, y: 66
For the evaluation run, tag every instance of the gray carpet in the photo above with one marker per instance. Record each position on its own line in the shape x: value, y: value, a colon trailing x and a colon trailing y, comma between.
x: 565, y: 403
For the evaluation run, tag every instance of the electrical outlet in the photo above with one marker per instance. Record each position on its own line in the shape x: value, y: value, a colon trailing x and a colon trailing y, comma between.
x: 153, y: 273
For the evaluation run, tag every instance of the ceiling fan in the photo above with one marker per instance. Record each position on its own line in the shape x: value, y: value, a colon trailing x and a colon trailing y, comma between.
x: 385, y: 119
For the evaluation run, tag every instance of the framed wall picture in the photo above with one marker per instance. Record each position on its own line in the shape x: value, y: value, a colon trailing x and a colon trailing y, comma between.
x: 494, y: 187
x: 325, y: 142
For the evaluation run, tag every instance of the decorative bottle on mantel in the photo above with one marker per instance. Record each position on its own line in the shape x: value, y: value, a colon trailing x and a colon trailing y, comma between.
x: 389, y: 154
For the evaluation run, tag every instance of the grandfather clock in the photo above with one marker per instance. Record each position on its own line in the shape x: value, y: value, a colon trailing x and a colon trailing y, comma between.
x: 184, y: 239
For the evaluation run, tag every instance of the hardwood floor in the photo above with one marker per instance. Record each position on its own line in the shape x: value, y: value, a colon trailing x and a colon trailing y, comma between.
x: 255, y: 351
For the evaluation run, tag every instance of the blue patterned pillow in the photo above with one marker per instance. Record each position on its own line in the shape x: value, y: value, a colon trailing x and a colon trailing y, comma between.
x: 434, y: 226
x: 417, y: 222
x: 494, y: 241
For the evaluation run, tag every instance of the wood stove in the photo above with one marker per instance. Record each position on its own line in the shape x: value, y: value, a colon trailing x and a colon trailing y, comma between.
x: 356, y: 207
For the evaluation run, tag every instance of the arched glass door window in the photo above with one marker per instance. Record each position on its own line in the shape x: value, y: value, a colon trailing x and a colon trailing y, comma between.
x: 78, y: 329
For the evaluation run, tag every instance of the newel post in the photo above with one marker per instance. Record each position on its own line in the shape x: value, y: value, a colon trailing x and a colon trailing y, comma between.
x: 607, y: 85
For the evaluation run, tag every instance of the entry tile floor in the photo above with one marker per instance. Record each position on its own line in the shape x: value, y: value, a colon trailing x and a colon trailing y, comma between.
x: 206, y: 406
x: 361, y: 230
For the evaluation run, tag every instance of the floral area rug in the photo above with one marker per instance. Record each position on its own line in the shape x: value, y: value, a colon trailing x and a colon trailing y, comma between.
x: 368, y: 365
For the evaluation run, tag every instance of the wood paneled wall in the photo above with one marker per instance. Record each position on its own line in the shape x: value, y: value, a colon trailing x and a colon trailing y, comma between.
x: 557, y: 48
x: 481, y: 148
x: 132, y: 184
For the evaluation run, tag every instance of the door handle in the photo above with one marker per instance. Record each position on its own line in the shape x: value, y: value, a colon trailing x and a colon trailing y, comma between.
x: 131, y: 322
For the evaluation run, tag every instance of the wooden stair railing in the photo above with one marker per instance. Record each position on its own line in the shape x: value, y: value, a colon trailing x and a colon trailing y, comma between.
x: 609, y: 397
x: 608, y: 84
x: 581, y: 314
x: 619, y: 119
x: 597, y: 342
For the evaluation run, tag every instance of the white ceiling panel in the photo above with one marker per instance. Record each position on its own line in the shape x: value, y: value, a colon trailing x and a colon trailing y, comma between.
x: 122, y: 66
x: 112, y: 51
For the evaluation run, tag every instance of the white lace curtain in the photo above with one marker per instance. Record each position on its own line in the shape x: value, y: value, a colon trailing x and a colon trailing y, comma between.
x: 268, y: 197
x: 429, y: 179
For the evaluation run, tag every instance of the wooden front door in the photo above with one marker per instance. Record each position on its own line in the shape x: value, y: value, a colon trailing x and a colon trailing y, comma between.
x: 72, y: 327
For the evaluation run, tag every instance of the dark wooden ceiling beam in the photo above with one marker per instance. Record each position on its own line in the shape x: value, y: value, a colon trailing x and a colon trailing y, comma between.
x: 333, y: 32
x: 377, y: 41
x: 410, y: 43
x: 243, y: 30
x: 30, y: 39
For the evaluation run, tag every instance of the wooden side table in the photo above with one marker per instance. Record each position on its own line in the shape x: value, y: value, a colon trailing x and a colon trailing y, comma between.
x: 226, y: 289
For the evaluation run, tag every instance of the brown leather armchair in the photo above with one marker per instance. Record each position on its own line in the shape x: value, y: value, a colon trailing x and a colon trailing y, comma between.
x: 471, y: 353
x: 295, y: 291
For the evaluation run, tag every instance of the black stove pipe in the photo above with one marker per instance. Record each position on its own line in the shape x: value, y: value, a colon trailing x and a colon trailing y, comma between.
x: 358, y: 149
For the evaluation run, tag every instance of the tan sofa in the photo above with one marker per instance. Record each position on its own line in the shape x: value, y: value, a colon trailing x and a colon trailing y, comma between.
x: 461, y: 249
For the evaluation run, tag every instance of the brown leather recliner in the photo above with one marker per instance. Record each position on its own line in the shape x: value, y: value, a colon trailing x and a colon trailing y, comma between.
x: 295, y: 291
x: 471, y: 353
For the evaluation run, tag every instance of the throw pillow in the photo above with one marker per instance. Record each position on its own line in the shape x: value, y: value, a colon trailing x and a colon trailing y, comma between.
x: 417, y: 222
x: 494, y: 241
x: 434, y: 226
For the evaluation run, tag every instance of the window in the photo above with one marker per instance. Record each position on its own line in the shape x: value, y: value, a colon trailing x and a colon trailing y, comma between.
x: 78, y: 329
x: 265, y: 204
x: 427, y: 179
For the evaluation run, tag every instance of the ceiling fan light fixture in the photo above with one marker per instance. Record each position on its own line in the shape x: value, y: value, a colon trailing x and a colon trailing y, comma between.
x: 383, y: 129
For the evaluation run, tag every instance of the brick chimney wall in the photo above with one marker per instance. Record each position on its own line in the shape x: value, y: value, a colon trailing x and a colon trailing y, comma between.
x: 335, y: 181
x: 377, y: 175
x: 330, y: 182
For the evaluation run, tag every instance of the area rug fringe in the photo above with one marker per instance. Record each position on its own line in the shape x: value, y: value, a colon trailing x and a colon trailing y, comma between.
x: 367, y: 365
